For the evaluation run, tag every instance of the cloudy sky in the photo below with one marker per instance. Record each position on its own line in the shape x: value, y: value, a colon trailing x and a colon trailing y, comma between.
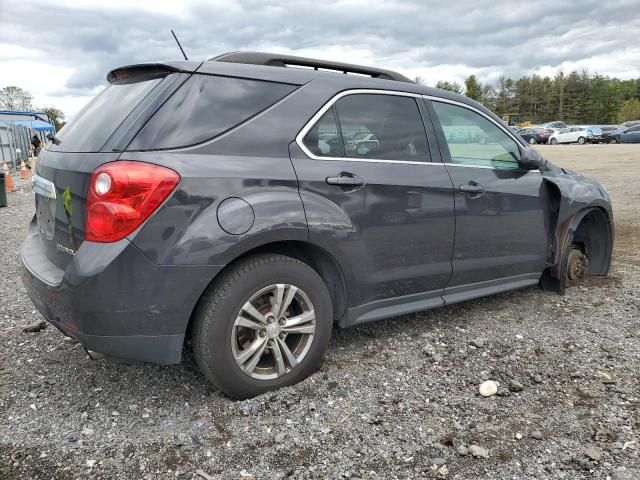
x: 61, y: 50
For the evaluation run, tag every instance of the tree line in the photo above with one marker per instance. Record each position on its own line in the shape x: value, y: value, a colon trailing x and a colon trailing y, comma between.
x: 576, y: 98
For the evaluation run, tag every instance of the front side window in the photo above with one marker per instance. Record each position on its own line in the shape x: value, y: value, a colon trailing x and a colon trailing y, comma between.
x: 474, y: 140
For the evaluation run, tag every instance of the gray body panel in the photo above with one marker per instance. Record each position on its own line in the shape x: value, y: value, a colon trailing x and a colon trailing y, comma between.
x: 394, y: 236
x: 406, y: 241
x: 501, y: 233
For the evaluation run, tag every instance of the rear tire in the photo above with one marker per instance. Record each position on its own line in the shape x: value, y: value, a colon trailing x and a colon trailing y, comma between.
x: 581, y: 141
x: 223, y: 344
x: 553, y: 141
x: 532, y: 141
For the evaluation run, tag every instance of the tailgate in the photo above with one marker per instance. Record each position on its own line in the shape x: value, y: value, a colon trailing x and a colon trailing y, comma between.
x: 61, y: 185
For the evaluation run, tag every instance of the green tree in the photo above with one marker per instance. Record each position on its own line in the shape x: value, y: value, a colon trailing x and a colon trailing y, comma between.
x: 55, y: 115
x: 506, y: 101
x: 15, y: 99
x: 473, y: 88
x: 449, y: 86
x: 630, y: 110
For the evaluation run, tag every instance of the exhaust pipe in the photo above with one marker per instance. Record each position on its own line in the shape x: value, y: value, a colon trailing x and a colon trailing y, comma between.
x: 95, y: 355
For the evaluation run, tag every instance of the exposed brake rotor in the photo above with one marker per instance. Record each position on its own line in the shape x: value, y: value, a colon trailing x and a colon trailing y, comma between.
x: 576, y: 266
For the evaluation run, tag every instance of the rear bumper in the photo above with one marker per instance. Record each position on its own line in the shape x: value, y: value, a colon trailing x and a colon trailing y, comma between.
x: 113, y: 300
x: 159, y: 349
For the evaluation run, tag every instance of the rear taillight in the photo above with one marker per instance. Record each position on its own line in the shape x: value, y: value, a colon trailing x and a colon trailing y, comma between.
x: 124, y: 194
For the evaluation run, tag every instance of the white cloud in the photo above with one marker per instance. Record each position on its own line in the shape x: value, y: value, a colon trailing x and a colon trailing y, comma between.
x: 62, y: 50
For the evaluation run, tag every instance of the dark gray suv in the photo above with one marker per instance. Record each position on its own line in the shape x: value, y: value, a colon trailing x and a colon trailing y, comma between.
x: 244, y: 205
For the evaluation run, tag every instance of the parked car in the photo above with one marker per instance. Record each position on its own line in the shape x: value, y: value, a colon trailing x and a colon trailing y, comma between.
x: 535, y: 135
x: 579, y: 135
x: 630, y: 123
x: 611, y: 133
x: 213, y: 206
x: 556, y: 124
x: 596, y: 133
x: 631, y: 135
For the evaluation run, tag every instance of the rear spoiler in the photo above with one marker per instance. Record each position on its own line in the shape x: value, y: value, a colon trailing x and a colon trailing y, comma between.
x: 129, y: 71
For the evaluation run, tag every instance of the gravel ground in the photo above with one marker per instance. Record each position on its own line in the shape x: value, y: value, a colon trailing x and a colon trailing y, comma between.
x: 393, y: 399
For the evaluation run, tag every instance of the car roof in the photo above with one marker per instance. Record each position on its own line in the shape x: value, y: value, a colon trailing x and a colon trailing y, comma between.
x: 282, y: 60
x: 280, y: 71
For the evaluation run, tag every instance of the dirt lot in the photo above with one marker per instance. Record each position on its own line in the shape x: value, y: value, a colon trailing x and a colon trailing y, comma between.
x: 394, y: 399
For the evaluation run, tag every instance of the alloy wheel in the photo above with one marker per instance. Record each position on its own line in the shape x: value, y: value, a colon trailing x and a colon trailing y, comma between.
x: 273, y: 331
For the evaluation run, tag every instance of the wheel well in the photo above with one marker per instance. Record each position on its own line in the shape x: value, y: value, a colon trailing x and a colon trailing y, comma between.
x: 317, y: 258
x: 594, y: 237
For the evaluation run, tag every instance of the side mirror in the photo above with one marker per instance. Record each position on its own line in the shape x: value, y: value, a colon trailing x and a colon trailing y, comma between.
x: 531, y: 159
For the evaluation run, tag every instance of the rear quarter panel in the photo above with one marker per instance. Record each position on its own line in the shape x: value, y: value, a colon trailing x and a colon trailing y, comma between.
x: 186, y: 230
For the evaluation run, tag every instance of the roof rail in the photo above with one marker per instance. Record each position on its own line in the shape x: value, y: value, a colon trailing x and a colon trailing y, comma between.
x: 279, y: 60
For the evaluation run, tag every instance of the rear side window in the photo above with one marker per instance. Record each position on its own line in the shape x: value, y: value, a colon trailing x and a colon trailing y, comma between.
x: 204, y: 107
x: 382, y: 127
x: 96, y: 122
x: 323, y: 140
x: 371, y: 126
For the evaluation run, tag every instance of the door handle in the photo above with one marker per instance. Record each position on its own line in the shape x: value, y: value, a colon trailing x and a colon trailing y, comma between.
x: 473, y: 189
x: 345, y: 179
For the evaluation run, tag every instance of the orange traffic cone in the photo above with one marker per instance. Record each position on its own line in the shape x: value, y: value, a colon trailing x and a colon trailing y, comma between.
x: 24, y: 173
x: 8, y: 179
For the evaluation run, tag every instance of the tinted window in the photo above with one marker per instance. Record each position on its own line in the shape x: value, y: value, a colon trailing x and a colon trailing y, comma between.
x: 474, y: 140
x: 94, y: 124
x: 323, y: 139
x: 206, y: 106
x: 382, y: 127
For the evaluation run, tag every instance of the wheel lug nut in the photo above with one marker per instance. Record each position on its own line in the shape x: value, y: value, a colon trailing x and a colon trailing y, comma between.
x: 282, y: 336
x: 282, y: 321
x: 262, y: 333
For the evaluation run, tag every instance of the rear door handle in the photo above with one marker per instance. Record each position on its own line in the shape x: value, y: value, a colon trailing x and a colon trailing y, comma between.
x: 472, y: 188
x: 345, y: 179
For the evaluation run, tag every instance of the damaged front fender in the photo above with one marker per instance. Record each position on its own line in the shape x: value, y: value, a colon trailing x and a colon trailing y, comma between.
x: 582, y: 217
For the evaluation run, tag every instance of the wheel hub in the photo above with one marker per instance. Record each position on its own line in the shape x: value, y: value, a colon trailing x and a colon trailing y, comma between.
x: 577, y: 266
x: 273, y: 330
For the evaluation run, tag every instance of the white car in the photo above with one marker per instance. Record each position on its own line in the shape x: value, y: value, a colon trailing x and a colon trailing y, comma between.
x: 579, y: 135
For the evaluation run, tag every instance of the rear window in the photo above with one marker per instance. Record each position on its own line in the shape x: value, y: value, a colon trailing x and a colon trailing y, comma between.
x: 205, y: 107
x: 96, y: 122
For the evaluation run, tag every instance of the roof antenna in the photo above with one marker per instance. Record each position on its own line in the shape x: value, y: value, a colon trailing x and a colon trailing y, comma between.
x: 178, y: 42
